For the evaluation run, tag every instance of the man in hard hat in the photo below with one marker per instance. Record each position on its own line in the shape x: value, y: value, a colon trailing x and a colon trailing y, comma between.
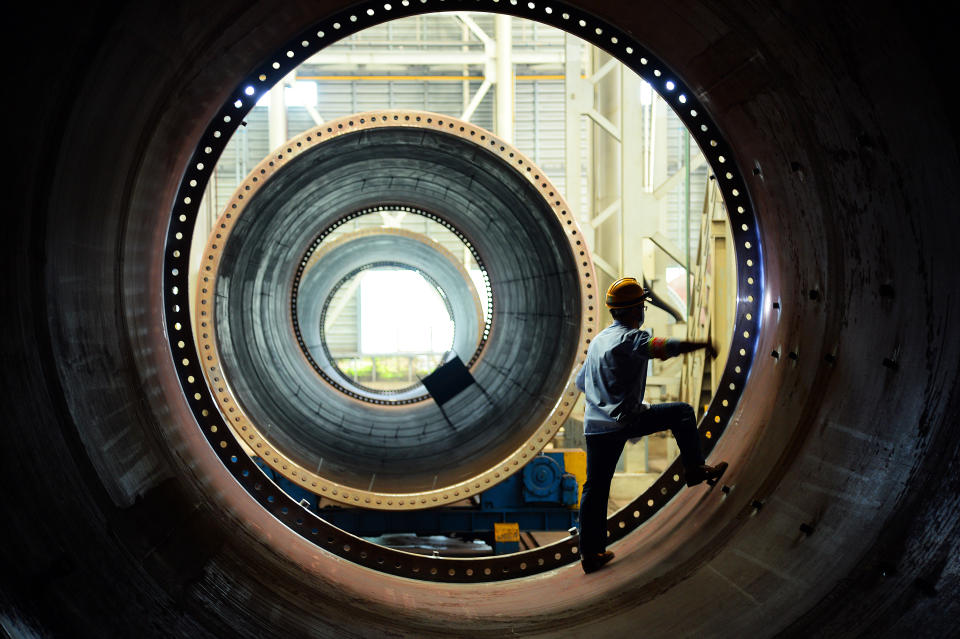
x: 613, y: 379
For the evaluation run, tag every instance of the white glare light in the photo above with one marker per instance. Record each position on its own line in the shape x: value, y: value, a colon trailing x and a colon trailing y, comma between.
x: 646, y: 94
x: 303, y: 93
x: 402, y: 313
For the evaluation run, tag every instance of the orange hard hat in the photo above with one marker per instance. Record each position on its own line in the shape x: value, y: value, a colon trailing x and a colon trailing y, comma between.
x: 625, y: 293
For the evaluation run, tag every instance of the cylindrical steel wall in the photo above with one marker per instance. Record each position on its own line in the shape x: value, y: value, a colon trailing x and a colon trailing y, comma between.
x: 118, y: 520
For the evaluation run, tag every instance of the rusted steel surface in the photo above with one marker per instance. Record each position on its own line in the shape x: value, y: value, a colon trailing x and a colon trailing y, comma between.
x: 843, y: 514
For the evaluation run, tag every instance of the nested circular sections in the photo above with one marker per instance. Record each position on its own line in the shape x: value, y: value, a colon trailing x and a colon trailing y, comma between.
x: 749, y: 256
x: 411, y: 318
x: 325, y: 439
x: 330, y: 280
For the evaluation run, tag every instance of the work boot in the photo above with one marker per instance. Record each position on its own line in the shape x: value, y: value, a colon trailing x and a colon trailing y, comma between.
x: 704, y: 473
x: 595, y: 561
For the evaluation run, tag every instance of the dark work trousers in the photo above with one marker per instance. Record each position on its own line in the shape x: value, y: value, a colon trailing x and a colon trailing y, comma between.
x: 603, y: 452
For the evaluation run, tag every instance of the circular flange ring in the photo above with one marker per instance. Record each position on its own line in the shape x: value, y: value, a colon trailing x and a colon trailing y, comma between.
x: 468, y: 316
x: 188, y: 358
x: 253, y: 435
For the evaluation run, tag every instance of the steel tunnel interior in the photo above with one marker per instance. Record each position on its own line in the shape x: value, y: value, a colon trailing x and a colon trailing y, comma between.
x: 349, y: 256
x: 520, y: 369
x: 844, y: 449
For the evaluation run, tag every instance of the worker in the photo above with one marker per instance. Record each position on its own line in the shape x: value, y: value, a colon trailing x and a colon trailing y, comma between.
x: 613, y: 379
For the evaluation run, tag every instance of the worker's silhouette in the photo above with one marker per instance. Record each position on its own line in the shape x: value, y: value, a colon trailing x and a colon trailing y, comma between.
x: 613, y: 379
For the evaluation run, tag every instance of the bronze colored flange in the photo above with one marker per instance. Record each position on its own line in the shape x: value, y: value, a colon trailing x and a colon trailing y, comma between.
x: 253, y: 434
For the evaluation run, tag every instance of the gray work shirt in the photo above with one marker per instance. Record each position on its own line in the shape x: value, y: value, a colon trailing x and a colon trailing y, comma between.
x: 614, y: 377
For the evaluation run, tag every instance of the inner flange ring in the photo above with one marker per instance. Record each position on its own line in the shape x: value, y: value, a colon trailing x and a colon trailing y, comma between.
x: 422, y: 254
x: 326, y: 310
x: 543, y: 315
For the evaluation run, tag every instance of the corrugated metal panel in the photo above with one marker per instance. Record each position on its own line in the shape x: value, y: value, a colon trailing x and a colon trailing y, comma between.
x: 540, y: 126
x: 244, y: 151
x: 539, y: 104
x: 539, y: 121
x: 536, y: 34
x: 433, y: 29
x: 675, y: 198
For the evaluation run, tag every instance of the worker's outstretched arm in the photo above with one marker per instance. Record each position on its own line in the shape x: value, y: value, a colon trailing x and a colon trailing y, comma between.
x: 688, y: 347
x: 663, y: 348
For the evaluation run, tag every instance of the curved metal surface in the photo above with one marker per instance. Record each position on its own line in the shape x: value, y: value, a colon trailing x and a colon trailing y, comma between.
x: 318, y: 249
x: 843, y: 520
x: 374, y: 453
x: 412, y: 251
x: 467, y: 175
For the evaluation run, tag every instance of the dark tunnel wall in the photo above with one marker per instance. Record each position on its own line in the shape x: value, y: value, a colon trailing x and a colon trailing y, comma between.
x: 118, y: 522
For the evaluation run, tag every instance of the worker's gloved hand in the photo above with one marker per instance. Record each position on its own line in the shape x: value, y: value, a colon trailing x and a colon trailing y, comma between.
x: 711, y: 351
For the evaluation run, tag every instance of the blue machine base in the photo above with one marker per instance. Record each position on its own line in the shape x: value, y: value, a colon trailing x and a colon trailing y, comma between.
x: 542, y: 497
x: 444, y: 521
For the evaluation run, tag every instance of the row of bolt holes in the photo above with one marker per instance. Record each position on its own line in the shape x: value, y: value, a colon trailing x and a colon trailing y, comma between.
x: 430, y: 216
x: 345, y: 495
x: 361, y: 213
x: 397, y: 565
x: 522, y: 565
x: 676, y: 477
x: 885, y: 291
x: 650, y: 503
x: 469, y: 572
x: 330, y: 540
x: 668, y: 84
x: 249, y: 91
x: 493, y: 143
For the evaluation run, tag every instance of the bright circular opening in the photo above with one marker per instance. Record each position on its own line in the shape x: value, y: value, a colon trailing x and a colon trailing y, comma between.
x: 674, y: 147
x: 386, y: 327
x: 365, y: 302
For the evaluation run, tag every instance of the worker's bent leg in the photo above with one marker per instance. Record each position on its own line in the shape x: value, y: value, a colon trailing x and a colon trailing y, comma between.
x: 680, y: 419
x: 603, y: 452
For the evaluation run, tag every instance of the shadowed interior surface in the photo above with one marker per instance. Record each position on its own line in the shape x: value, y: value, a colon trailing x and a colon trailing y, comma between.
x: 843, y: 518
x: 523, y: 368
x: 344, y: 261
